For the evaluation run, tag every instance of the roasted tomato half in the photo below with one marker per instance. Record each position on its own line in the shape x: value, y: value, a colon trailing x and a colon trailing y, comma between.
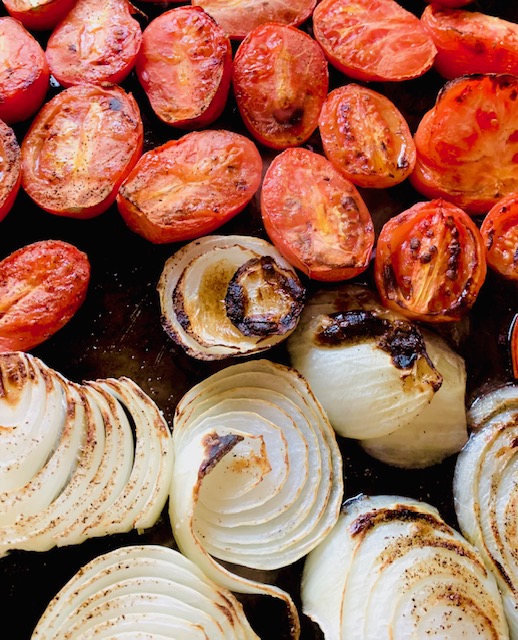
x: 315, y: 216
x: 237, y: 19
x: 42, y: 286
x: 10, y: 169
x: 280, y: 81
x: 430, y: 262
x: 467, y: 145
x: 186, y: 188
x: 79, y: 148
x: 185, y: 67
x: 98, y: 41
x: 373, y: 39
x: 499, y: 231
x: 471, y: 42
x: 38, y: 15
x: 366, y: 137
x: 24, y: 73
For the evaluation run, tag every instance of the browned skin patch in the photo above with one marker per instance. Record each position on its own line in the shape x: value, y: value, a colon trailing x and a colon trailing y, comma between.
x: 216, y: 447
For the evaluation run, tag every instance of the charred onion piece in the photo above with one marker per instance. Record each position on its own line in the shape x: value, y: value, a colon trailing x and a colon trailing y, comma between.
x: 257, y: 480
x: 486, y: 492
x: 242, y: 275
x: 392, y: 568
x: 143, y: 592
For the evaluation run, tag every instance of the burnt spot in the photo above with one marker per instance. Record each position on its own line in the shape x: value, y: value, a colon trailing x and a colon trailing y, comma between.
x: 216, y: 447
x: 400, y: 513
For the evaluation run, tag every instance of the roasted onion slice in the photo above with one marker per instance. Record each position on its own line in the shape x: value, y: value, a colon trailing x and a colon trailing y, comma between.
x: 143, y: 592
x: 392, y: 568
x: 486, y: 491
x: 224, y: 296
x: 257, y: 479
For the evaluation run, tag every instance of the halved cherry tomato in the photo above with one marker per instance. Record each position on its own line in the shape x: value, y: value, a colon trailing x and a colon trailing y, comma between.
x: 186, y: 188
x: 98, y: 41
x: 430, y: 262
x: 79, y: 148
x: 38, y: 15
x: 24, y: 73
x: 471, y: 42
x: 237, y: 19
x: 42, y: 286
x: 373, y: 39
x: 280, y: 81
x: 467, y: 144
x: 366, y: 137
x: 315, y: 216
x: 185, y: 66
x: 499, y: 231
x: 10, y: 169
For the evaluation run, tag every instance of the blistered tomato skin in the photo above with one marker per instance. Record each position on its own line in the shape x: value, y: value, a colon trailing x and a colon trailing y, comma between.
x: 499, y: 231
x: 10, y: 169
x: 79, y: 149
x: 42, y: 286
x: 430, y: 262
x: 39, y: 15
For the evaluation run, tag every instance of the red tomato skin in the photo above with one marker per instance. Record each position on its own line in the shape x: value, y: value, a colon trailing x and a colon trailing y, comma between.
x: 10, y: 169
x: 80, y: 148
x: 42, y: 285
x: 209, y: 176
x: 24, y: 73
x: 430, y: 262
x: 315, y: 216
x: 113, y: 47
x: 467, y: 144
x: 470, y: 42
x: 190, y: 99
x: 280, y: 79
x: 368, y: 40
x: 366, y: 137
x: 43, y: 15
x: 499, y: 231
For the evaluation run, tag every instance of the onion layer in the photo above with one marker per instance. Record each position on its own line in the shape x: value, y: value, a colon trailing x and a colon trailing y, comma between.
x: 392, y: 568
x: 273, y: 469
x: 486, y: 490
x: 143, y: 592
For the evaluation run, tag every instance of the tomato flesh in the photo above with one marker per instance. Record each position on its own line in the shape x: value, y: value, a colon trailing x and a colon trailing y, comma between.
x: 10, y: 169
x: 430, y: 262
x: 499, y: 231
x: 39, y: 15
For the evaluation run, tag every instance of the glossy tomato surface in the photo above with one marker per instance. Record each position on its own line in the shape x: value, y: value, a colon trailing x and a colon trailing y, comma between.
x: 24, y: 73
x: 98, y: 41
x: 499, y: 231
x: 373, y: 39
x: 280, y: 80
x: 316, y: 217
x: 79, y: 149
x: 467, y: 144
x: 39, y: 15
x: 10, y: 169
x: 366, y: 137
x: 471, y: 42
x: 184, y: 66
x: 188, y: 187
x: 42, y: 285
x: 430, y: 262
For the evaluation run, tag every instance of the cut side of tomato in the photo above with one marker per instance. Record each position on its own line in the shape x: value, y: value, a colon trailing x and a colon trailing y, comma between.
x: 39, y: 15
x: 10, y: 169
x: 430, y: 262
x: 280, y: 79
x: 499, y: 231
x: 373, y: 39
x: 185, y: 67
x: 471, y: 42
x: 189, y: 187
x: 42, y: 286
x: 79, y: 148
x: 366, y: 137
x: 315, y: 216
x: 98, y: 41
x: 467, y: 144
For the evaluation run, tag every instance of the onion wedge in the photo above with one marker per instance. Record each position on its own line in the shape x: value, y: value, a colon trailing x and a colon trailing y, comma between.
x: 392, y: 568
x: 486, y: 493
x: 143, y: 592
x: 274, y: 484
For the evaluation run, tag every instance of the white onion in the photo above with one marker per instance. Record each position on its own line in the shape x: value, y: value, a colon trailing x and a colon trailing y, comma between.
x: 196, y: 281
x: 143, y: 592
x: 273, y: 472
x: 486, y: 490
x: 393, y: 569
